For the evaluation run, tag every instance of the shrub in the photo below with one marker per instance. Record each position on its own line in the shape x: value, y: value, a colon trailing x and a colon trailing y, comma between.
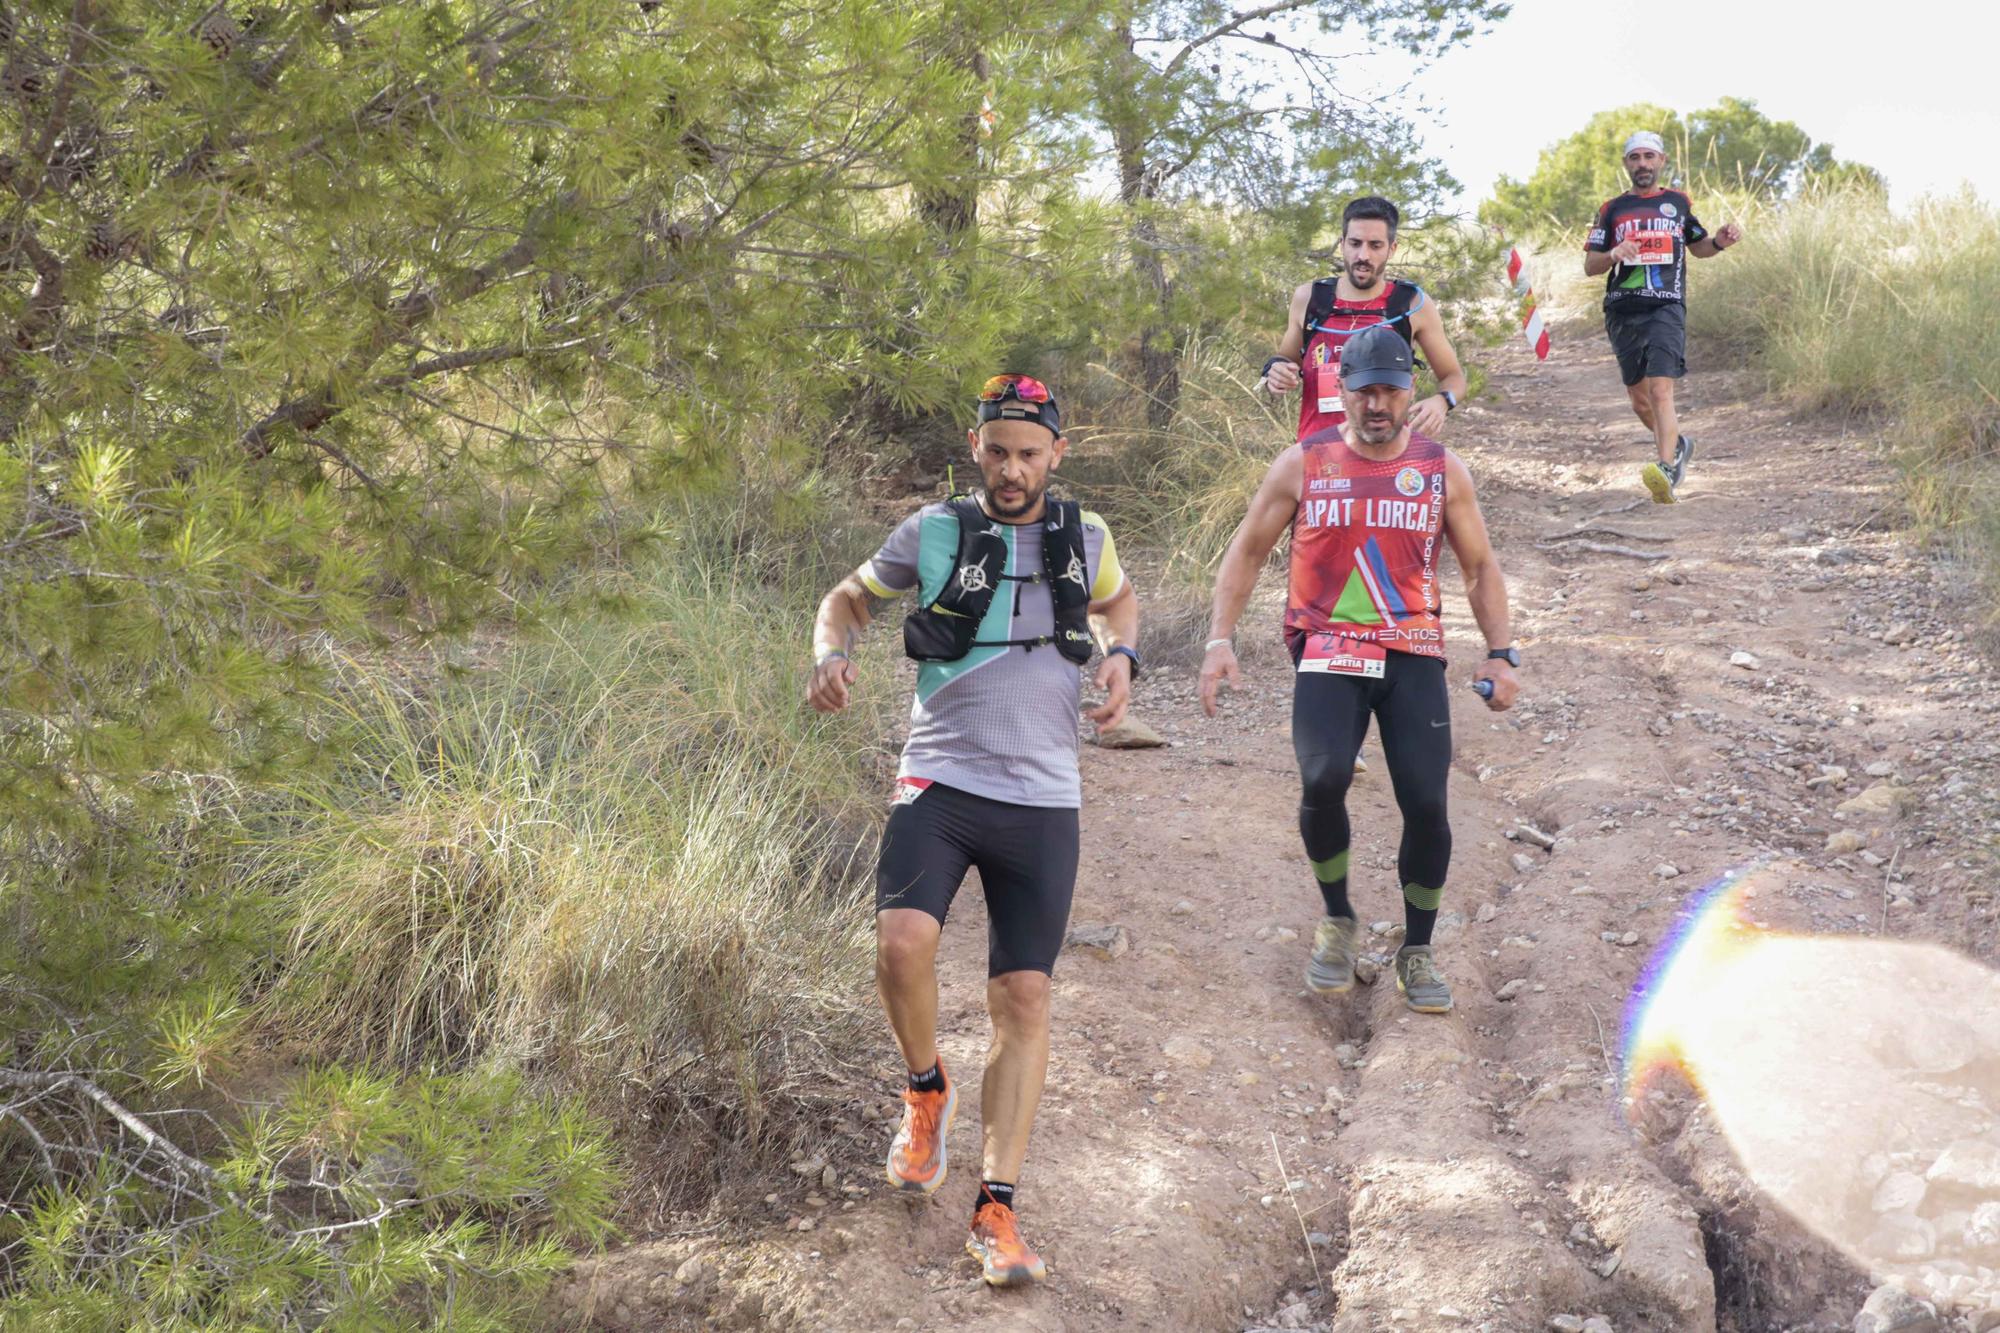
x: 624, y: 858
x: 1853, y: 308
x: 364, y: 1201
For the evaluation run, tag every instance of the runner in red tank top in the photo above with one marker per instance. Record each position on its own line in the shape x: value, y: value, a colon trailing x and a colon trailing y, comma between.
x: 1365, y: 546
x: 1368, y: 507
x: 1324, y: 334
x: 1325, y: 314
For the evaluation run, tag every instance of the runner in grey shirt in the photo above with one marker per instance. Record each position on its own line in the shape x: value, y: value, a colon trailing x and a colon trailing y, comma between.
x: 999, y: 722
x: 988, y: 780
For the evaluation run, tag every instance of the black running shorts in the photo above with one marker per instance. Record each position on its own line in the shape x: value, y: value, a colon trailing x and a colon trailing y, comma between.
x: 1649, y: 337
x: 1025, y: 854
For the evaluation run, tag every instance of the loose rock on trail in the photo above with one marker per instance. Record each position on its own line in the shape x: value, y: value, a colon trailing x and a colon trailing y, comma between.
x: 1218, y: 1149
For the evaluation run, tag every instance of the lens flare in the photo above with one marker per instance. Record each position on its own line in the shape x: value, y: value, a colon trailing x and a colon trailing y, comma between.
x: 1857, y: 1079
x: 1712, y: 934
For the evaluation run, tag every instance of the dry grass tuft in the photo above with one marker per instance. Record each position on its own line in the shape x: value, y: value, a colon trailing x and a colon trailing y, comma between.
x: 625, y: 860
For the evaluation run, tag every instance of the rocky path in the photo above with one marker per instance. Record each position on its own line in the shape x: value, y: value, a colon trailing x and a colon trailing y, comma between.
x: 1220, y: 1150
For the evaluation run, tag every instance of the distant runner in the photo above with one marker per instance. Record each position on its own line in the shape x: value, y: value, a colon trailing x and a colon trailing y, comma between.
x: 1642, y: 240
x: 1012, y: 587
x: 1366, y: 505
x: 1327, y: 311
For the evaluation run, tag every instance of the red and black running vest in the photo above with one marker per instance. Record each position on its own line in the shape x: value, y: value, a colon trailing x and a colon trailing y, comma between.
x: 1328, y: 325
x: 1365, y: 546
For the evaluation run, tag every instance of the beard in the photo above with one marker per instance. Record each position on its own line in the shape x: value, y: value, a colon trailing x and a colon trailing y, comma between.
x: 1643, y: 178
x: 1364, y: 279
x: 1383, y: 430
x: 1030, y: 496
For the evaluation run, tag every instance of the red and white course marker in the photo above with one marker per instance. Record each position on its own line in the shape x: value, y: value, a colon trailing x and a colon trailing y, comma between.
x: 1531, y: 319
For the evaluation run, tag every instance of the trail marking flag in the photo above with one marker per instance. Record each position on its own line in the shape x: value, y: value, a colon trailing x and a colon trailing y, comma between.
x: 1531, y: 319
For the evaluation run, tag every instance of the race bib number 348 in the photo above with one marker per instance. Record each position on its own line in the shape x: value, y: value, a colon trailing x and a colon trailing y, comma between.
x: 1655, y: 247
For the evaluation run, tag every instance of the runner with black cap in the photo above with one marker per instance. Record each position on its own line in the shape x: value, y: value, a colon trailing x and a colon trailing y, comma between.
x: 1641, y: 240
x: 1326, y: 312
x: 1369, y: 506
x: 1013, y: 587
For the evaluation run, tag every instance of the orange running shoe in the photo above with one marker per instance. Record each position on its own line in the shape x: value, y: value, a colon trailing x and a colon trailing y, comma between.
x: 916, y: 1154
x: 996, y: 1243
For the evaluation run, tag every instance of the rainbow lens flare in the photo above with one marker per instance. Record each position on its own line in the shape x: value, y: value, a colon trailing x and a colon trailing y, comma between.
x: 1712, y: 934
x: 1856, y: 1078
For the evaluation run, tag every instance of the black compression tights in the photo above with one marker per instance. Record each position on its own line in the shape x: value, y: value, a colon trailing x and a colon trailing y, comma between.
x: 1329, y: 719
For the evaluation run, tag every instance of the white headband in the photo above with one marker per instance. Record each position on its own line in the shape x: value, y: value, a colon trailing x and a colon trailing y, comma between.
x: 1646, y: 139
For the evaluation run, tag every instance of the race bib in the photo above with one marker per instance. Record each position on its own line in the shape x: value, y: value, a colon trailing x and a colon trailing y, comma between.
x: 1325, y: 388
x: 909, y: 789
x: 1655, y: 247
x: 1338, y: 655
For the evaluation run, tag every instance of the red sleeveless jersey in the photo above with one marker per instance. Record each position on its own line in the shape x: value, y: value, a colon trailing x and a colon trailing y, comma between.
x: 1319, y: 368
x: 1365, y: 545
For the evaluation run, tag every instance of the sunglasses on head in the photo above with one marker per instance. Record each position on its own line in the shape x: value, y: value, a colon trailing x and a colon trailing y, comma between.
x: 1025, y: 388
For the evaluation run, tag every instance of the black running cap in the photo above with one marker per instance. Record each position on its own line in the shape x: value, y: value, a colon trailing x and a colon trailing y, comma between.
x: 1045, y: 414
x: 1375, y: 355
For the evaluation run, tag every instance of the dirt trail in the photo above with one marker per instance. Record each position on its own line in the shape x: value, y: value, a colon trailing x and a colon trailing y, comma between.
x: 1472, y: 1170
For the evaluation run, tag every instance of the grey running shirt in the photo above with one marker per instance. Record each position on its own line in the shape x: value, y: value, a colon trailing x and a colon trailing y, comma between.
x: 999, y: 722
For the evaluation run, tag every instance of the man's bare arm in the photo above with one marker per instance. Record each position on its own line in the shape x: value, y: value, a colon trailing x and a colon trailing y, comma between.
x: 1599, y: 262
x: 1428, y: 327
x: 1485, y: 586
x: 843, y: 614
x: 1115, y: 620
x: 1293, y: 345
x: 1271, y: 511
x: 1465, y: 529
x: 1284, y: 376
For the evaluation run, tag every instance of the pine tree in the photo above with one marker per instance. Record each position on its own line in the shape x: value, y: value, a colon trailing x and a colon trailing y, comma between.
x: 355, y: 323
x: 1206, y: 105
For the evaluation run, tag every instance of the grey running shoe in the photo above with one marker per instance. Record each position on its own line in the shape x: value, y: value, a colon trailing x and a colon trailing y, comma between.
x: 1683, y: 455
x: 1420, y: 981
x: 1331, y: 968
x: 1659, y: 480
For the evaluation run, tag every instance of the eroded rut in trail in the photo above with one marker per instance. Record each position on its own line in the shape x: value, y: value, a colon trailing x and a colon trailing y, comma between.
x: 1219, y: 1149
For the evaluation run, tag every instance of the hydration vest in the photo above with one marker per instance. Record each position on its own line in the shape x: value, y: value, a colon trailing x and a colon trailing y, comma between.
x: 1320, y: 405
x: 1323, y: 303
x: 942, y: 629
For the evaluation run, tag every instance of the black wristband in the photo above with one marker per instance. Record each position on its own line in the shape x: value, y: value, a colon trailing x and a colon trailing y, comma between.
x: 1266, y: 372
x: 1125, y: 650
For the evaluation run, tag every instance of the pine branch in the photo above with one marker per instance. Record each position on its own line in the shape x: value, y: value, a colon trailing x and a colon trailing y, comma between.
x: 145, y: 1133
x: 1216, y: 34
x: 1209, y: 133
x: 308, y: 412
x: 80, y: 36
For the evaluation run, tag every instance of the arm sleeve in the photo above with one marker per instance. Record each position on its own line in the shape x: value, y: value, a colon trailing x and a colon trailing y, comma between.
x: 892, y: 571
x: 1110, y: 575
x: 1599, y: 238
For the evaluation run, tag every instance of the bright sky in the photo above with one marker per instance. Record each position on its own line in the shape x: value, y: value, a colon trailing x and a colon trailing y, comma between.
x: 1911, y: 92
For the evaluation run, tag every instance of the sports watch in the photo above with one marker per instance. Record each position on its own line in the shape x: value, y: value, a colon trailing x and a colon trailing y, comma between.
x: 1511, y: 656
x: 1450, y: 400
x: 1125, y: 650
